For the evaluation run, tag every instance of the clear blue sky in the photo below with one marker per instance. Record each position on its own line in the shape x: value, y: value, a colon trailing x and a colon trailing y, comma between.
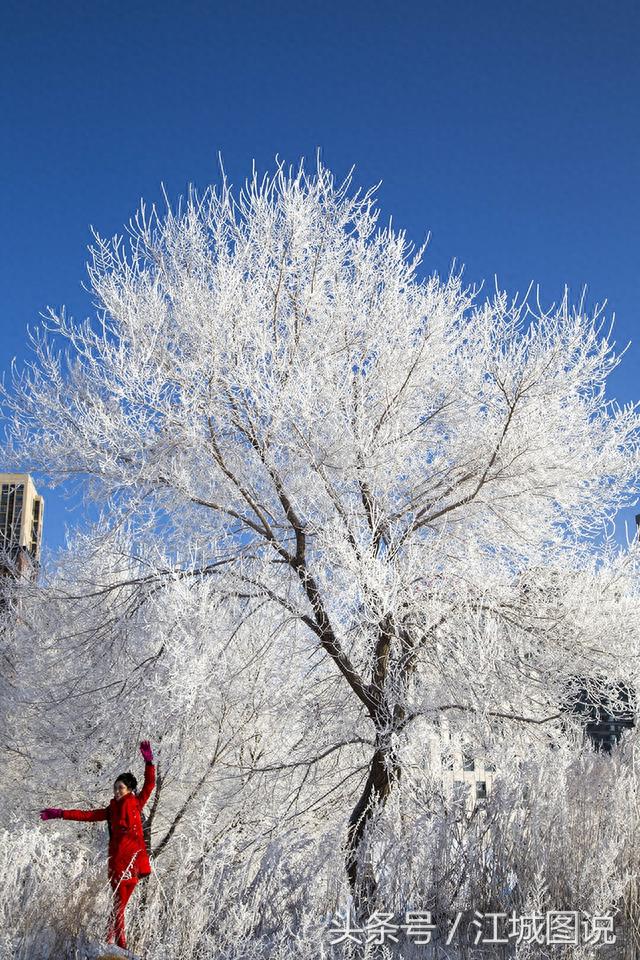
x: 509, y: 130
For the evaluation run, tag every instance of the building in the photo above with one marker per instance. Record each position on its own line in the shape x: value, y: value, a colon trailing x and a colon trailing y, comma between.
x: 21, y: 514
x: 463, y: 767
x: 604, y: 714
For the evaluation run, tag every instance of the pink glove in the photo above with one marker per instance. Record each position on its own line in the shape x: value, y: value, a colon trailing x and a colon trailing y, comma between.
x: 146, y: 751
x: 51, y: 813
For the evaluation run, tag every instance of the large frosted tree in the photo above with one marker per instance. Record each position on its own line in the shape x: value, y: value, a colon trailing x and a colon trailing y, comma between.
x: 413, y: 482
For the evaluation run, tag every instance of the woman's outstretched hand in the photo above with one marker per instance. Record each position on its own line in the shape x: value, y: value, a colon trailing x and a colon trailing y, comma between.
x: 51, y: 813
x: 146, y: 751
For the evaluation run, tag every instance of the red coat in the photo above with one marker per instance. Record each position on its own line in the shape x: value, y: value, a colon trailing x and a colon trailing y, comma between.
x: 127, y: 850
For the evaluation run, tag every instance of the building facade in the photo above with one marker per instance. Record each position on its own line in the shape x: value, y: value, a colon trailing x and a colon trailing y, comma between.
x: 21, y: 516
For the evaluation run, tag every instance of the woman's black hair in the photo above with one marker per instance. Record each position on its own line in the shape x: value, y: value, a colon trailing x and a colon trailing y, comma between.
x: 128, y: 779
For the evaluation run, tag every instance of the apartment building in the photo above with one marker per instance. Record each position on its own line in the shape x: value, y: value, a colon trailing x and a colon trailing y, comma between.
x: 464, y: 768
x: 21, y: 516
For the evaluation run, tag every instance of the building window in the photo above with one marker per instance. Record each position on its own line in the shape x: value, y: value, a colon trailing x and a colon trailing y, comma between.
x: 481, y: 790
x: 468, y: 762
x: 11, y: 500
x: 35, y: 527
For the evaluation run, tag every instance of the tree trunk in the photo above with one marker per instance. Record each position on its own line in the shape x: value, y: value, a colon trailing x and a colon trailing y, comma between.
x: 383, y: 773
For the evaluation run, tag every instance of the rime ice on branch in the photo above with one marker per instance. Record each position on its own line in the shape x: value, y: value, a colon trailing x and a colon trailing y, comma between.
x: 407, y: 481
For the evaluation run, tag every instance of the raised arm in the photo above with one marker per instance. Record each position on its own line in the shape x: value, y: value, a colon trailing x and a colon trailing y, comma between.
x: 149, y: 773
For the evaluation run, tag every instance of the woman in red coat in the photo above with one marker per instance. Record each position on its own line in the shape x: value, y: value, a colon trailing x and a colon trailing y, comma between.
x: 128, y: 858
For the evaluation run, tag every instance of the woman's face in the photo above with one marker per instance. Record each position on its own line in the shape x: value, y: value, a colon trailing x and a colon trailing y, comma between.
x: 120, y: 790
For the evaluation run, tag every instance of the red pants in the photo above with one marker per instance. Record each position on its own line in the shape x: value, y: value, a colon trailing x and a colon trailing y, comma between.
x: 121, y: 893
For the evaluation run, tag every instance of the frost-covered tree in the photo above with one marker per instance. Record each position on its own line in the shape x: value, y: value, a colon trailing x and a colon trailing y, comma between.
x: 408, y: 483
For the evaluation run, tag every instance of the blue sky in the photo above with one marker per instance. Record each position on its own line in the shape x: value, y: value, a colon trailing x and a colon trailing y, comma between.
x: 508, y: 130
